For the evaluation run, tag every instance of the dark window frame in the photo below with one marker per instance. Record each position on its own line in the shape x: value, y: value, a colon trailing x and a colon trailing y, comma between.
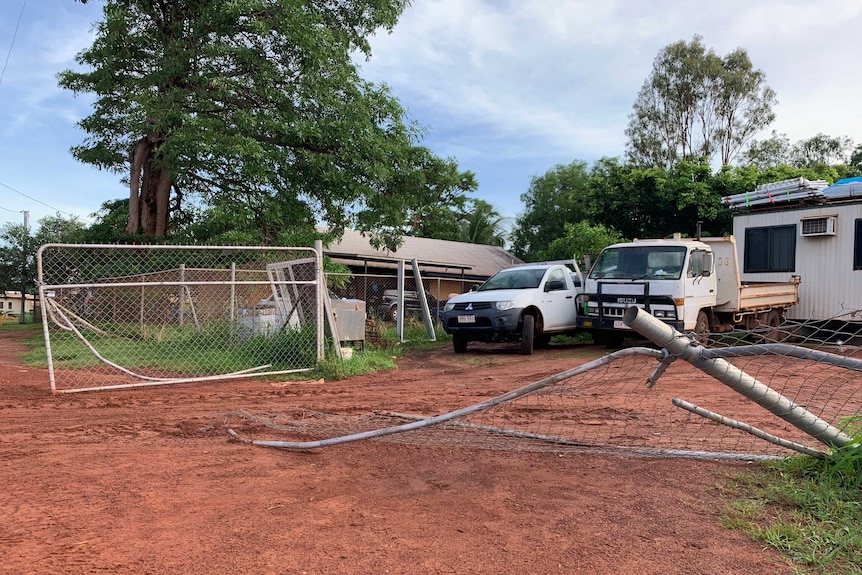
x: 770, y: 249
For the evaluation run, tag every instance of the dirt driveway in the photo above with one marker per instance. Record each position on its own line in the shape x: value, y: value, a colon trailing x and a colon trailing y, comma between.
x: 126, y: 482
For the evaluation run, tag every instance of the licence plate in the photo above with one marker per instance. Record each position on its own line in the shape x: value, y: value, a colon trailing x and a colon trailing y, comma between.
x: 618, y: 324
x: 466, y: 319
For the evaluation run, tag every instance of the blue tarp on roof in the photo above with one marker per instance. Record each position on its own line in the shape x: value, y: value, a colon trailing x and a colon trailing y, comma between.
x: 846, y: 188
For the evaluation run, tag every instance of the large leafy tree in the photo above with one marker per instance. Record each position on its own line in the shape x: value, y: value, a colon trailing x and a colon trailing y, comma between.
x: 696, y: 105
x: 553, y: 199
x: 655, y: 202
x: 252, y: 102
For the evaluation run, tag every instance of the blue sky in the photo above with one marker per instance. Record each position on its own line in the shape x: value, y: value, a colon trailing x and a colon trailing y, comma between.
x: 509, y: 88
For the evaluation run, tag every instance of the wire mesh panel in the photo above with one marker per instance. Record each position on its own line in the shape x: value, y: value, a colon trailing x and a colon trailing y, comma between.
x: 124, y: 316
x: 639, y: 401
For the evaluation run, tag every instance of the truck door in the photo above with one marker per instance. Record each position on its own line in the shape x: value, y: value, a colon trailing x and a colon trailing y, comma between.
x: 558, y: 301
x: 699, y: 285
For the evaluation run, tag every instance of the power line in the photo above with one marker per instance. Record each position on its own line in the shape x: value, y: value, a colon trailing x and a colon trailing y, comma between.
x: 14, y: 34
x: 35, y: 200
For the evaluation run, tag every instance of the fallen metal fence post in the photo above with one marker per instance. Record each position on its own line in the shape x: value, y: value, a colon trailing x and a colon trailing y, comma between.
x: 680, y: 345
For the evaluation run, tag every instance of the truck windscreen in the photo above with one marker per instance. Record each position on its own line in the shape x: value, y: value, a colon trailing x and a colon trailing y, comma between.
x: 640, y: 262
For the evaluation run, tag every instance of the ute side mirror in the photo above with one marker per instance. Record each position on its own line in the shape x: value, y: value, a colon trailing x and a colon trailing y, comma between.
x: 474, y: 287
x: 554, y: 285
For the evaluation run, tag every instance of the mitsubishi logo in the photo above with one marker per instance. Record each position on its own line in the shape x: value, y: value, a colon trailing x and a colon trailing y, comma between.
x: 469, y: 307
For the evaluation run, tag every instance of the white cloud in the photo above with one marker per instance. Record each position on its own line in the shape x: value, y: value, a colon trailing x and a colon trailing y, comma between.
x: 508, y: 87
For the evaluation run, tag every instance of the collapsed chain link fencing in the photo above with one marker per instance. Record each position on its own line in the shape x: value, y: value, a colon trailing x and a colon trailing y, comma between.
x: 758, y: 393
x: 125, y: 316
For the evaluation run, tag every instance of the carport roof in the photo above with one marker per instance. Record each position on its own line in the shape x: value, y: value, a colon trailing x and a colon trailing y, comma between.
x: 442, y: 257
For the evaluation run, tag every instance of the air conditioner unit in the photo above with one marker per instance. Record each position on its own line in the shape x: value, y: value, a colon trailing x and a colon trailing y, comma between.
x: 820, y: 226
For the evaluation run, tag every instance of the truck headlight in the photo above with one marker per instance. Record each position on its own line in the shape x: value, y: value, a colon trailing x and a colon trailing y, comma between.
x: 448, y: 306
x: 504, y: 305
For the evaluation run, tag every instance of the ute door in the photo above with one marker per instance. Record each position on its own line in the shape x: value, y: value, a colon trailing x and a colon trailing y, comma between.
x: 558, y: 300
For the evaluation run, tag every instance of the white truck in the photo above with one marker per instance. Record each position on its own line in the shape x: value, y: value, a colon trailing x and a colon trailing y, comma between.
x: 527, y: 303
x: 692, y: 284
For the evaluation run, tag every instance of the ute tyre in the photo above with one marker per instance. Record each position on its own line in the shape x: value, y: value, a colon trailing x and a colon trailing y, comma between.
x: 459, y: 343
x: 528, y: 333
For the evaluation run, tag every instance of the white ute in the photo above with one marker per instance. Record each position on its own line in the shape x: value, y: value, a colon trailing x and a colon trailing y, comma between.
x: 527, y: 303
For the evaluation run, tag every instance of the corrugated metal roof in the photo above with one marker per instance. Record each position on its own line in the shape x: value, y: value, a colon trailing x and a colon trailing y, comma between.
x: 439, y: 256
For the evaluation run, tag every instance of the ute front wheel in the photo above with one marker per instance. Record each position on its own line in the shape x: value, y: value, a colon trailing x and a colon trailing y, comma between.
x: 459, y: 343
x: 528, y: 333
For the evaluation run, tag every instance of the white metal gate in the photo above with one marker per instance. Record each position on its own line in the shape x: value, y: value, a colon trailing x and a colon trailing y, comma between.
x: 118, y: 316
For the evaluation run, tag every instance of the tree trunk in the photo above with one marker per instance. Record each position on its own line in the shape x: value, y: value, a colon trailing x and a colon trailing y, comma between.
x: 137, y: 160
x: 149, y: 192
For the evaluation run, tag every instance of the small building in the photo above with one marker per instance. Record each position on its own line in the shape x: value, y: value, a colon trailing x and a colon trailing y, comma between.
x: 10, y: 304
x: 447, y: 267
x: 808, y: 229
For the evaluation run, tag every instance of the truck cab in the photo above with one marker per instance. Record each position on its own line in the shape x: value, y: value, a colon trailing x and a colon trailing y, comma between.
x: 692, y: 284
x: 671, y: 279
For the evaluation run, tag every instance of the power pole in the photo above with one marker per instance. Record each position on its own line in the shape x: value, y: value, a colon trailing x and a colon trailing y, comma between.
x: 25, y: 240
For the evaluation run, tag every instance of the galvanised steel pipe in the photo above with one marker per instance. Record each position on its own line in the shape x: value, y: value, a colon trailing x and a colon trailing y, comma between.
x: 680, y: 345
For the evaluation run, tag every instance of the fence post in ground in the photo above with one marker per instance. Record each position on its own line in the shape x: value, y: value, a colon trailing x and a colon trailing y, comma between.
x: 680, y: 345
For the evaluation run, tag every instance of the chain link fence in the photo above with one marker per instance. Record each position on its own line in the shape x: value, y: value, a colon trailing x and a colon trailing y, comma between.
x: 125, y: 316
x: 380, y: 293
x: 758, y: 393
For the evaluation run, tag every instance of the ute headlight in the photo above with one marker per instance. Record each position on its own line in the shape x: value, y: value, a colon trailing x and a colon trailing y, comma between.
x: 448, y: 306
x: 504, y: 305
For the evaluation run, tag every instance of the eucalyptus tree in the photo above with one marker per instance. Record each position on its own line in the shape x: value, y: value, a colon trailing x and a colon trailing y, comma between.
x: 822, y: 149
x: 696, y: 105
x: 258, y: 103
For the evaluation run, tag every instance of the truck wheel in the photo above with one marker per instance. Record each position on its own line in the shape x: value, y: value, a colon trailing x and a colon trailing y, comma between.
x: 528, y: 332
x: 701, y: 328
x: 773, y: 321
x: 393, y: 313
x: 459, y: 343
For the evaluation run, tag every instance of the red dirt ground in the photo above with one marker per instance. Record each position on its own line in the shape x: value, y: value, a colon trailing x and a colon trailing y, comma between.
x: 126, y: 482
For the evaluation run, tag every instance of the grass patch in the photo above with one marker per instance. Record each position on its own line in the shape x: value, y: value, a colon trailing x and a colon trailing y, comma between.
x: 809, y: 509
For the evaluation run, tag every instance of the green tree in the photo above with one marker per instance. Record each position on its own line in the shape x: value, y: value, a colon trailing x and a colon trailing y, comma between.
x: 18, y: 249
x: 695, y: 105
x: 256, y: 102
x: 773, y: 151
x: 482, y: 224
x: 553, y: 199
x: 583, y: 242
x: 821, y: 149
x: 655, y: 202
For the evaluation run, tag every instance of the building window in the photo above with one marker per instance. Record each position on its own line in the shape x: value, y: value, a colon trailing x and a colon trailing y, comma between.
x: 770, y: 249
x: 857, y: 245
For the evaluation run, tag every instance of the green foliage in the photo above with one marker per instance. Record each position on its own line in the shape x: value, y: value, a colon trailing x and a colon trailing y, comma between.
x: 19, y: 246
x: 656, y: 202
x: 557, y: 197
x: 810, y: 509
x: 695, y: 105
x: 581, y: 241
x: 258, y: 112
